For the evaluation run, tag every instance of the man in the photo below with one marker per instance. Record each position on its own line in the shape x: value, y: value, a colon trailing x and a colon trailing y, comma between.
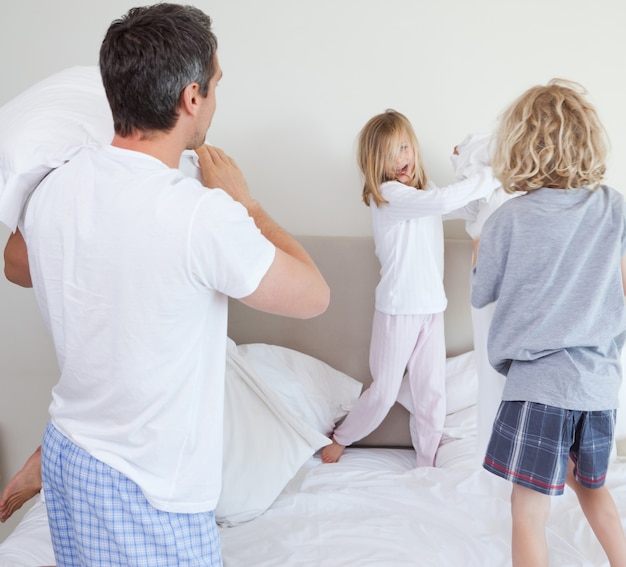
x: 132, y: 264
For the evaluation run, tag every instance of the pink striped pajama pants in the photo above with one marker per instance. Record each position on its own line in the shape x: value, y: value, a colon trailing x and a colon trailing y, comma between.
x: 411, y: 343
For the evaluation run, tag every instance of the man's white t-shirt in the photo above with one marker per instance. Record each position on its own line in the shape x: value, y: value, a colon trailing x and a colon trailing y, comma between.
x: 132, y: 263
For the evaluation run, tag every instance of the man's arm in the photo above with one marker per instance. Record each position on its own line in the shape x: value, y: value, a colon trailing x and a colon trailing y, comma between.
x: 16, y: 267
x: 293, y: 285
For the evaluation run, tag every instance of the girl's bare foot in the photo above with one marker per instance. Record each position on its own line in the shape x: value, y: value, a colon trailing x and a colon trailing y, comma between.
x: 332, y: 452
x: 22, y: 487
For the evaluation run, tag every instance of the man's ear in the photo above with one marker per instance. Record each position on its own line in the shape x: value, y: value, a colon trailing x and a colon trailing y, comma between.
x: 190, y: 98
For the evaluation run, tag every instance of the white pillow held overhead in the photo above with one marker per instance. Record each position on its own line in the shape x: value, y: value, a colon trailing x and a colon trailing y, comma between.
x: 46, y: 125
x: 43, y: 127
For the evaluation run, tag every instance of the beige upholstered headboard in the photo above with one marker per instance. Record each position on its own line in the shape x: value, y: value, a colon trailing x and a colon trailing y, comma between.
x: 340, y: 337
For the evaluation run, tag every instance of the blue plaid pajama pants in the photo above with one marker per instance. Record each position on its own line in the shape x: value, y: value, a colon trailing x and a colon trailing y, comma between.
x: 98, y: 516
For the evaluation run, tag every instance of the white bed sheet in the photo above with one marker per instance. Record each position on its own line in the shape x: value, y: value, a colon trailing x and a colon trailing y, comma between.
x: 372, y: 508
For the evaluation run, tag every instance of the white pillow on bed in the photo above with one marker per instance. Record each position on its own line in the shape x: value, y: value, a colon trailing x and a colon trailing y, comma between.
x: 279, y: 405
x: 461, y: 385
x: 265, y: 444
x: 461, y: 382
x: 315, y: 392
x: 43, y: 127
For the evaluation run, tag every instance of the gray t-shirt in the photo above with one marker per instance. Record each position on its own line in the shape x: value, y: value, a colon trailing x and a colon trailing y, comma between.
x: 552, y: 260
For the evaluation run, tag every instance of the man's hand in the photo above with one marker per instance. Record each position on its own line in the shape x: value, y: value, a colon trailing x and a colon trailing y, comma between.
x: 16, y: 268
x: 220, y: 171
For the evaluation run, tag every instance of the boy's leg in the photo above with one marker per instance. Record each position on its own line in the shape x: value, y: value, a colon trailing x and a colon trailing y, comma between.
x: 587, y: 469
x: 530, y: 447
x: 601, y: 513
x: 529, y: 511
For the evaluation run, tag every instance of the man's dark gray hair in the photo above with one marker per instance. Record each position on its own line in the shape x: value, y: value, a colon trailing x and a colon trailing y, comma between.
x: 148, y: 57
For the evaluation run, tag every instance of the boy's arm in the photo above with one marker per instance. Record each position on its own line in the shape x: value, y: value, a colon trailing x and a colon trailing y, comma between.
x: 486, y: 272
x: 16, y: 267
x: 624, y: 273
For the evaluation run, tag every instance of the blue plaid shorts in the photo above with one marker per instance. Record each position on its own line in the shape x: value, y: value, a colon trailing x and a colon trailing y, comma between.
x: 98, y: 516
x: 532, y: 443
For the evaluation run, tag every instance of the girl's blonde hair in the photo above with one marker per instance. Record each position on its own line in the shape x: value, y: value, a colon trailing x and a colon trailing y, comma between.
x: 378, y: 147
x: 550, y: 137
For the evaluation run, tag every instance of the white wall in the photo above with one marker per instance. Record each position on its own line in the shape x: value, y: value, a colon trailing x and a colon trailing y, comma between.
x: 300, y: 80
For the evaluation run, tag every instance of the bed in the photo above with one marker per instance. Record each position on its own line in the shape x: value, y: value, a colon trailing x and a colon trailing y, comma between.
x: 283, y: 507
x: 289, y: 381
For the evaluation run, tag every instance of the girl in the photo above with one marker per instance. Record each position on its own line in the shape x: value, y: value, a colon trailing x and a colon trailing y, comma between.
x: 407, y: 332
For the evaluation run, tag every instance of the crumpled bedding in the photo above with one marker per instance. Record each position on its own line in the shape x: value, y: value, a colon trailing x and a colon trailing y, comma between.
x: 373, y: 508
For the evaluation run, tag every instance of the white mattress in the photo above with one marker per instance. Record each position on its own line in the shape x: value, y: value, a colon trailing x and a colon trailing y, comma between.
x: 374, y: 509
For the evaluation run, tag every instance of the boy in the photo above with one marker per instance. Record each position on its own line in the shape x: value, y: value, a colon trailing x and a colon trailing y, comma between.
x: 552, y: 259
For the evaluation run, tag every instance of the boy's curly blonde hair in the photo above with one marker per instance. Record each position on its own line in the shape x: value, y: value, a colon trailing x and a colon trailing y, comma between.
x: 550, y: 137
x: 378, y: 146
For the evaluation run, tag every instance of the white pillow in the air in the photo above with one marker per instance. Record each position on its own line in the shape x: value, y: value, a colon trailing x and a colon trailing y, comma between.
x: 43, y: 127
